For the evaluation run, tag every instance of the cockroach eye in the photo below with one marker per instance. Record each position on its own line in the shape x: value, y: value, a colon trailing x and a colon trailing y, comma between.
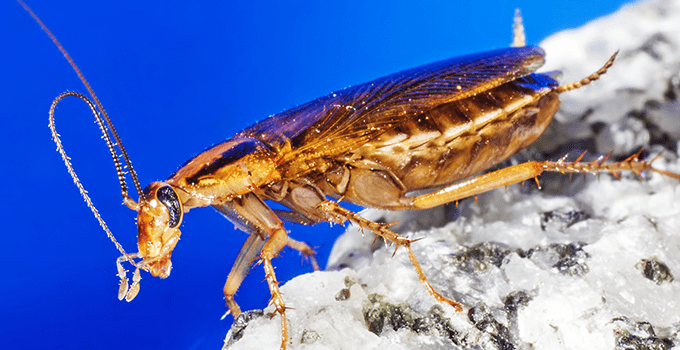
x: 168, y: 197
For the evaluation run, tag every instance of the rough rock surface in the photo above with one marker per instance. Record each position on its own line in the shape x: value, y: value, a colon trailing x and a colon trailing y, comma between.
x: 585, y: 263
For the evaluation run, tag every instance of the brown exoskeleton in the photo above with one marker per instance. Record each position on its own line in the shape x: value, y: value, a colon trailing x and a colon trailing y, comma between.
x: 427, y: 128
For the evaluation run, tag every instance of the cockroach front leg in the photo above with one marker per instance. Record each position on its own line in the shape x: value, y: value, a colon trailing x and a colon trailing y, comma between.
x: 250, y: 252
x: 276, y: 241
x: 266, y: 250
x: 246, y: 256
x: 337, y: 212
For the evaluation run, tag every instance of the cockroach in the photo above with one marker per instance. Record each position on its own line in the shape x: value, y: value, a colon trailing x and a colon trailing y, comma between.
x: 430, y: 128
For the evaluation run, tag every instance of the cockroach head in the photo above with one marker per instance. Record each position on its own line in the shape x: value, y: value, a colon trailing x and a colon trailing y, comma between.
x: 158, y: 220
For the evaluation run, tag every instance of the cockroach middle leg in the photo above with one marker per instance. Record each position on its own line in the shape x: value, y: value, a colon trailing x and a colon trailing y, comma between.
x: 335, y: 210
x: 306, y: 251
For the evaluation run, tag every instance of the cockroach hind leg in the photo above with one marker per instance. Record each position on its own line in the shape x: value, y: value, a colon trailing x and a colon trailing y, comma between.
x: 525, y: 171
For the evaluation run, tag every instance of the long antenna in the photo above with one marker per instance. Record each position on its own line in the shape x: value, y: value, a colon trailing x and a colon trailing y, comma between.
x: 126, y: 158
x: 72, y: 172
x: 125, y: 291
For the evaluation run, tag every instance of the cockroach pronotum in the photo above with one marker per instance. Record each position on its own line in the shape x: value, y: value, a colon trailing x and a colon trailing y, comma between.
x: 428, y: 128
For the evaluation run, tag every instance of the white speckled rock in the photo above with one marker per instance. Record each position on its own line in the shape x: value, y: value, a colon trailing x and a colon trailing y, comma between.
x: 579, y: 265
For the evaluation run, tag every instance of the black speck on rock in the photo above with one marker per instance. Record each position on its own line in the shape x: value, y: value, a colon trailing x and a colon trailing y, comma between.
x: 567, y: 259
x: 515, y: 301
x: 481, y: 317
x: 672, y: 88
x: 239, y: 326
x: 482, y: 257
x: 343, y: 294
x: 379, y: 314
x: 561, y: 219
x: 572, y: 258
x: 434, y: 322
x: 632, y: 335
x: 309, y: 336
x: 655, y: 270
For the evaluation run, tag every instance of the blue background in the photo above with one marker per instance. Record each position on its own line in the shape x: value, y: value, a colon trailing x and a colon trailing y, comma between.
x: 177, y: 77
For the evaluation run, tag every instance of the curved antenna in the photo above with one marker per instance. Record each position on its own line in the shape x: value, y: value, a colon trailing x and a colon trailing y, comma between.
x: 72, y: 172
x: 121, y: 174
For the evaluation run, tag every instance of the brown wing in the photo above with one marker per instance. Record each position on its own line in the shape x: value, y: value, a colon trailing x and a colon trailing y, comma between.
x: 348, y: 118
